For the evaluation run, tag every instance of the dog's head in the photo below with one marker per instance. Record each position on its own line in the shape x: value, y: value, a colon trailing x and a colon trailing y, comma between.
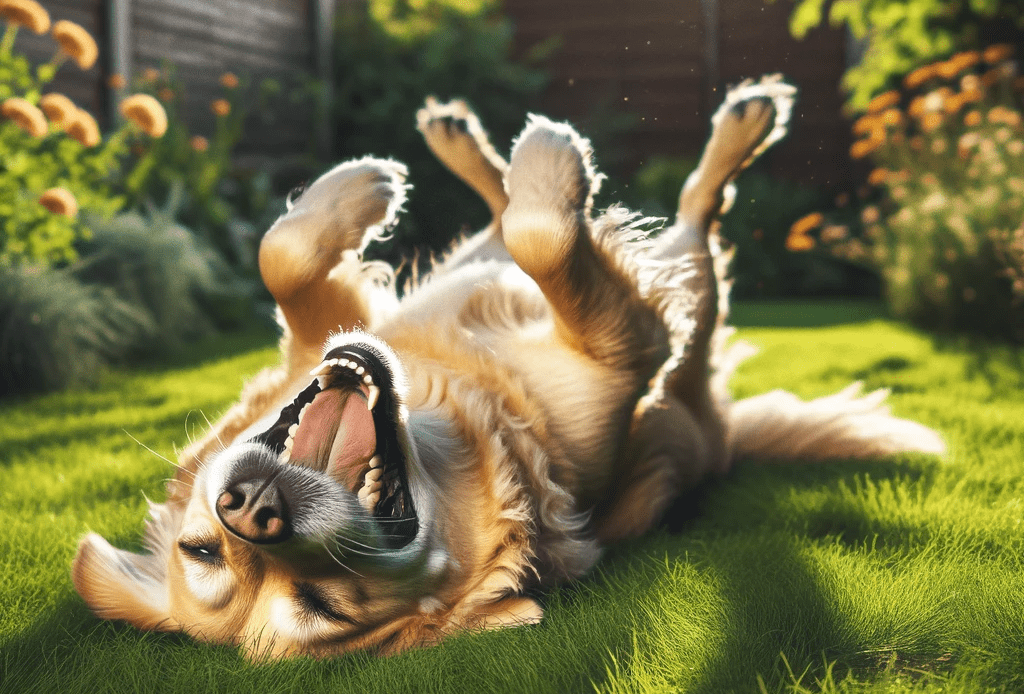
x: 317, y: 534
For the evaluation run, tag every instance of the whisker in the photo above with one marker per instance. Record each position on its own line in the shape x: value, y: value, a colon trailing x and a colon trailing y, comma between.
x: 340, y: 562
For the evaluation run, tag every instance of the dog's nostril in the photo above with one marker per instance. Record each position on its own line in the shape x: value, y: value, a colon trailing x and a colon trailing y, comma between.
x: 268, y: 519
x: 231, y: 500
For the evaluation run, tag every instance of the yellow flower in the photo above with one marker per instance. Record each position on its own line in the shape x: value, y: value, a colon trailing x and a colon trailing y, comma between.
x: 117, y: 81
x: 931, y: 121
x: 870, y: 215
x: 146, y: 112
x: 84, y: 129
x: 60, y: 201
x: 58, y: 108
x: 199, y: 143
x: 76, y: 42
x: 27, y: 13
x: 883, y: 101
x: 806, y: 223
x: 997, y: 53
x: 220, y: 107
x: 25, y: 115
x: 228, y: 80
x: 918, y: 77
x: 893, y: 117
x: 972, y: 119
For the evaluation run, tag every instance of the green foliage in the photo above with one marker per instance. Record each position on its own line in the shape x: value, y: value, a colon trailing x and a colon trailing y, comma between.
x: 144, y: 287
x: 947, y: 234
x: 903, y: 34
x: 29, y: 165
x: 388, y: 60
x: 757, y: 225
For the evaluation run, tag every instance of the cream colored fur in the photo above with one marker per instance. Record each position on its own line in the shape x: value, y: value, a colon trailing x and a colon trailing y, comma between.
x: 561, y: 378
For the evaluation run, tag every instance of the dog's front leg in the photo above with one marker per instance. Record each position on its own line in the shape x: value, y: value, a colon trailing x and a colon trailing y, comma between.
x: 310, y: 259
x: 597, y: 307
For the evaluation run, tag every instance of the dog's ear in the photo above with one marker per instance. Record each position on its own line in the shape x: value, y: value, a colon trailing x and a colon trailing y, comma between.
x: 511, y: 611
x: 117, y: 584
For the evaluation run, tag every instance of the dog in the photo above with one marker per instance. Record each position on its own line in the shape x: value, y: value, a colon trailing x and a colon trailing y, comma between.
x: 416, y: 467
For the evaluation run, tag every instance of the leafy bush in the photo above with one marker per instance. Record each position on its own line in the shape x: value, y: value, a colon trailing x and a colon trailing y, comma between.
x: 948, y: 231
x: 388, y: 59
x: 757, y: 225
x: 900, y: 35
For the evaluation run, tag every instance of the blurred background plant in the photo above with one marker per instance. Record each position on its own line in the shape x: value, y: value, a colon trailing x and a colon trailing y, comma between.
x: 391, y: 55
x: 92, y: 270
x: 945, y: 228
x: 897, y: 36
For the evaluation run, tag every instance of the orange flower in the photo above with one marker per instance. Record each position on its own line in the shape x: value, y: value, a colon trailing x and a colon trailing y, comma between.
x: 58, y: 108
x: 199, y: 143
x: 862, y: 148
x: 893, y: 117
x: 117, y: 81
x: 931, y: 122
x: 972, y: 119
x: 228, y: 80
x: 166, y: 94
x: 146, y: 112
x: 60, y: 201
x: 25, y: 115
x: 76, y: 42
x: 991, y: 77
x: 997, y: 53
x: 918, y: 106
x: 878, y: 176
x: 220, y: 107
x: 883, y: 101
x: 26, y: 13
x: 150, y: 74
x: 806, y: 223
x: 798, y: 243
x: 83, y: 128
x: 865, y: 125
x: 919, y: 76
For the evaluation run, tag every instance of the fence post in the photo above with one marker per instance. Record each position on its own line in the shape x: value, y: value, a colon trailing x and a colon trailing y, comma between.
x: 323, y: 57
x: 119, y: 38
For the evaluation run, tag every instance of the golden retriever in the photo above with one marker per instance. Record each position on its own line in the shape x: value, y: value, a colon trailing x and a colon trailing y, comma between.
x: 414, y: 465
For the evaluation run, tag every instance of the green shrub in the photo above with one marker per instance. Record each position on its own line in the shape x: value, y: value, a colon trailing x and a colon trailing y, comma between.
x: 387, y: 60
x: 948, y: 232
x: 900, y: 35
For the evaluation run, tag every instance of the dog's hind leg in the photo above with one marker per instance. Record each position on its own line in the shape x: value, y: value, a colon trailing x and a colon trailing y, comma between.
x: 454, y: 134
x: 310, y: 259
x: 677, y: 433
x: 597, y: 307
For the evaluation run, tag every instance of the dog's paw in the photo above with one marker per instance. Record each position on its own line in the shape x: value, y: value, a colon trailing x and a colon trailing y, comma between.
x: 753, y: 116
x: 348, y: 206
x: 454, y: 133
x: 550, y: 185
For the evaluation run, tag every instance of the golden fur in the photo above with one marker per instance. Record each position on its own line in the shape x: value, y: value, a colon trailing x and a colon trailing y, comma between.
x: 551, y: 386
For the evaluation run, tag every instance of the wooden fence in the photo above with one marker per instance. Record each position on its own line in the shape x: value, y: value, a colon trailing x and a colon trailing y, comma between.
x: 663, y: 62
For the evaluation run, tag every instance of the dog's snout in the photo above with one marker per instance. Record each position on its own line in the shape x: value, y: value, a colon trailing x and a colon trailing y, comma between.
x: 255, y: 510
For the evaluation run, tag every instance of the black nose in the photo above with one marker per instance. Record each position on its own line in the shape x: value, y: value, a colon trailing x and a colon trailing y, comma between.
x: 255, y: 510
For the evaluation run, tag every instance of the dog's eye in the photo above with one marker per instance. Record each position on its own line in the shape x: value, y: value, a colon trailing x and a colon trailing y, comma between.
x: 205, y: 551
x: 294, y: 195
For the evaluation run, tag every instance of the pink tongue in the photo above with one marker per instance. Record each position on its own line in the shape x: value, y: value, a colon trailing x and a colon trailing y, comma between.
x: 336, y: 435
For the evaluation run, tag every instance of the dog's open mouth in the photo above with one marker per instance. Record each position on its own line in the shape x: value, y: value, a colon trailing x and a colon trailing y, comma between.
x: 346, y: 425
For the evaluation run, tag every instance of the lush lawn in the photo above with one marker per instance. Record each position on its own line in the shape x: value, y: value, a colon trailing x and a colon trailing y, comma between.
x: 905, y: 573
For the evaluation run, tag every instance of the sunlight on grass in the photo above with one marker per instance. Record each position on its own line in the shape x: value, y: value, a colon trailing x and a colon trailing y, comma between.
x: 902, y: 575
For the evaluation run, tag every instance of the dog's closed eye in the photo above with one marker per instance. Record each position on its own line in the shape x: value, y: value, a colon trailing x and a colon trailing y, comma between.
x: 202, y: 550
x: 315, y: 603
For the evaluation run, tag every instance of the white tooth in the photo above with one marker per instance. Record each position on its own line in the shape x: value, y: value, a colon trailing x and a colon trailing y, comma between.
x: 288, y: 443
x: 375, y: 461
x: 302, y: 411
x: 321, y: 370
x: 363, y: 492
x: 371, y: 501
x: 372, y: 476
x: 322, y: 382
x: 360, y: 370
x: 371, y: 397
x: 286, y: 456
x: 367, y: 379
x: 292, y: 429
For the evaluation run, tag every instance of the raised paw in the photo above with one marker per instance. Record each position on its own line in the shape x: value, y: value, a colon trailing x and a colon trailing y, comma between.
x: 550, y: 183
x: 455, y: 136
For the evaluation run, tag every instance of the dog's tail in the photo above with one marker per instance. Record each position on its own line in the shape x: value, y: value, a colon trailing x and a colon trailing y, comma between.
x: 780, y: 426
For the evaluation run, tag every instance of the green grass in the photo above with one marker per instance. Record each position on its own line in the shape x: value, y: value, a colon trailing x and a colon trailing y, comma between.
x: 899, y: 575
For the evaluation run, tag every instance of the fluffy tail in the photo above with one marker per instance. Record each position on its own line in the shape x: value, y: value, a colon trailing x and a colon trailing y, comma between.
x: 779, y: 425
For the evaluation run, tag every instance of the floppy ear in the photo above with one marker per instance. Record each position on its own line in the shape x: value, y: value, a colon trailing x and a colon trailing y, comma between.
x: 513, y: 611
x: 116, y: 584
